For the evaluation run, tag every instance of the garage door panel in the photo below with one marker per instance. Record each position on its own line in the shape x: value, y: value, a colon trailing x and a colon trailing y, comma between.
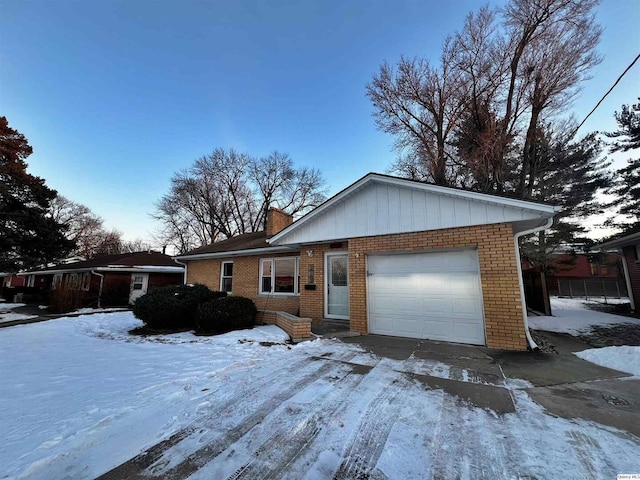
x: 429, y: 295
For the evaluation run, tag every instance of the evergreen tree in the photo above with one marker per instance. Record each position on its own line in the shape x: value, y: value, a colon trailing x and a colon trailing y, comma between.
x: 570, y: 174
x: 28, y: 235
x: 627, y: 185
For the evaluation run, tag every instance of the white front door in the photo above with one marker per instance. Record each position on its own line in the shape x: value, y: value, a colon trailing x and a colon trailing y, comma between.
x: 337, y: 285
x: 139, y: 284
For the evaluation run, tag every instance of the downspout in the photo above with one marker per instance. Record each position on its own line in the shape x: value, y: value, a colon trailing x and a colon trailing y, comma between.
x: 532, y: 344
x: 627, y: 280
x: 93, y: 272
x: 184, y: 275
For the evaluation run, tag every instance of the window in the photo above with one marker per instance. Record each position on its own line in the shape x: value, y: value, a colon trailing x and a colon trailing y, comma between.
x: 86, y: 281
x: 57, y: 280
x: 31, y: 280
x: 280, y: 275
x: 138, y: 281
x: 226, y: 277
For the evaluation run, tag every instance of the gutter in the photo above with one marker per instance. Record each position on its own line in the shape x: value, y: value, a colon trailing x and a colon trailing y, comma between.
x: 93, y: 272
x: 184, y: 274
x: 532, y: 344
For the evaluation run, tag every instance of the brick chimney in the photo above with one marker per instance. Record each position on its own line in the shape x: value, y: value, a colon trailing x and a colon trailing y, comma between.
x: 277, y: 220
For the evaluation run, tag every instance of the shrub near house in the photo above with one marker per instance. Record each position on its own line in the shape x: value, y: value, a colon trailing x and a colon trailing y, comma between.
x: 225, y: 314
x: 189, y: 307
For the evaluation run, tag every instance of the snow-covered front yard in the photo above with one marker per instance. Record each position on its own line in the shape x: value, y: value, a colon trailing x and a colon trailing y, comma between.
x: 79, y: 396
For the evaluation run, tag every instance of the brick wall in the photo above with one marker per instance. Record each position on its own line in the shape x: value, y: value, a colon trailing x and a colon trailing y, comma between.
x: 277, y: 220
x: 246, y: 272
x: 633, y: 265
x: 504, y: 322
x: 312, y: 301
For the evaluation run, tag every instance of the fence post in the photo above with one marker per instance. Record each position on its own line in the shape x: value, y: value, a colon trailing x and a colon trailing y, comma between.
x: 586, y: 294
x: 618, y: 288
x: 604, y: 290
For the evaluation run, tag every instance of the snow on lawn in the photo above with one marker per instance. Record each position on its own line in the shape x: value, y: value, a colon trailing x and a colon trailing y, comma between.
x: 624, y: 358
x: 79, y: 396
x: 572, y: 316
x: 5, y: 307
x: 10, y: 317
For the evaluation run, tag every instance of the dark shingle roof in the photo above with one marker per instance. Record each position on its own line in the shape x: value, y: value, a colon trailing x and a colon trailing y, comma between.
x: 135, y: 259
x: 246, y: 241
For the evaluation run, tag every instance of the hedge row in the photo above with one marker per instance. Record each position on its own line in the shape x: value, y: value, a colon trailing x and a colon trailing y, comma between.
x: 189, y: 307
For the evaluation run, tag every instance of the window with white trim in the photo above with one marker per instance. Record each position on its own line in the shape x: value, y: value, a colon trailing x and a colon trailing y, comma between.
x: 280, y: 275
x: 226, y: 277
x: 31, y: 280
x: 57, y: 280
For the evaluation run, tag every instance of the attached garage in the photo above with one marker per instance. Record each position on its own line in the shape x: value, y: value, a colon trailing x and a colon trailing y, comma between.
x: 429, y: 295
x: 423, y: 261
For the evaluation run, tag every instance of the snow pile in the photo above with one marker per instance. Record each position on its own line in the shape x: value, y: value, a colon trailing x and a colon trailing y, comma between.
x: 572, y: 316
x: 624, y: 358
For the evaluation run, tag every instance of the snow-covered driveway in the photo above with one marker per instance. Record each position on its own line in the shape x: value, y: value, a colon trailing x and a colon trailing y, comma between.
x: 80, y: 396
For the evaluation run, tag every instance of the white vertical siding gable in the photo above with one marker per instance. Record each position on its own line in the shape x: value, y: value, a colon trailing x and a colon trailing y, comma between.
x: 388, y: 207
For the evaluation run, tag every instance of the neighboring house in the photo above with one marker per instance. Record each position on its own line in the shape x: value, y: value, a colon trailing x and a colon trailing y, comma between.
x: 109, y: 279
x: 630, y: 247
x: 11, y: 280
x: 585, y: 274
x: 388, y: 256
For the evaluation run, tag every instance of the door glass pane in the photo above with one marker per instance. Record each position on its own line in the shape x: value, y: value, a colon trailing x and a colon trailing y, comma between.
x: 339, y: 271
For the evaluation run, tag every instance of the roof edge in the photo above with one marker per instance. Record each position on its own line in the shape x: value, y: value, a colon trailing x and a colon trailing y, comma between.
x: 235, y: 253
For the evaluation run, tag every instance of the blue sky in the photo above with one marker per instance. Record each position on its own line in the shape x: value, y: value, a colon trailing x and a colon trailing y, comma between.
x: 116, y: 96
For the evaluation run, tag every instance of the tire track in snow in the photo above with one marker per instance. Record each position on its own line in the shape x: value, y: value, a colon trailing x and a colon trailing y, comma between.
x: 274, y: 455
x: 587, y: 450
x: 368, y: 441
x: 212, y: 449
x: 243, y: 400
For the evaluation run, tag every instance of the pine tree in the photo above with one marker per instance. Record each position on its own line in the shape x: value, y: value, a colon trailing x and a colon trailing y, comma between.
x: 28, y: 234
x: 627, y: 185
x: 570, y: 174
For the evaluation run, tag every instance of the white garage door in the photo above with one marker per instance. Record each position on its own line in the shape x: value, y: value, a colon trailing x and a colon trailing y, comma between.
x: 426, y: 295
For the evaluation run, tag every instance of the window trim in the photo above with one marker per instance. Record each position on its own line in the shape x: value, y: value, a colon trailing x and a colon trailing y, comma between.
x: 296, y: 276
x: 223, y: 276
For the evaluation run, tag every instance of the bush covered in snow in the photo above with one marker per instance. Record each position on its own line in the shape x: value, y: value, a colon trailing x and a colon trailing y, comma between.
x: 173, y: 307
x: 225, y: 314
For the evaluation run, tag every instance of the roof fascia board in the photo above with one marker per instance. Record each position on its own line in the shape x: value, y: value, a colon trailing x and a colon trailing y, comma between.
x: 625, y: 241
x: 150, y: 269
x: 235, y: 253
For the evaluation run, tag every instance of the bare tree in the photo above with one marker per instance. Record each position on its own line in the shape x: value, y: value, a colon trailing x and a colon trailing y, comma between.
x: 227, y: 193
x: 471, y: 120
x: 84, y: 228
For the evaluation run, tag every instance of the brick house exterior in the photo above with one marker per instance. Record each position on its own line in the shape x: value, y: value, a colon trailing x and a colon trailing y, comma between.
x: 629, y: 245
x: 108, y: 280
x: 445, y: 258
